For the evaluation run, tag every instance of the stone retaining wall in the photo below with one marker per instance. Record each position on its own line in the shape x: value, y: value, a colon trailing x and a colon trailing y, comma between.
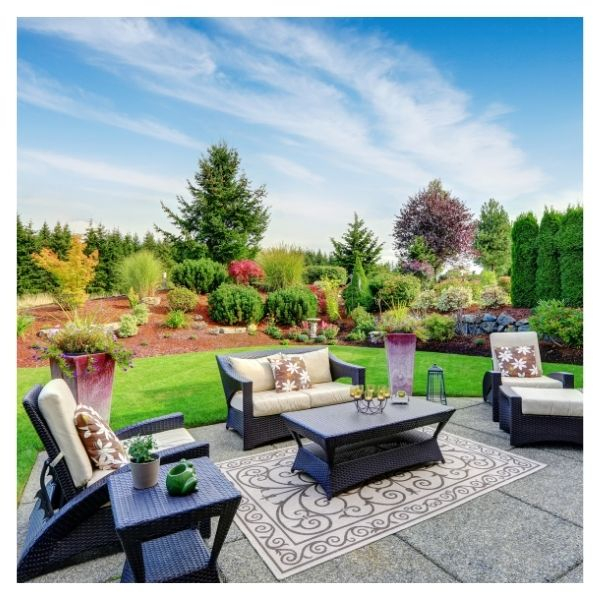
x: 480, y: 324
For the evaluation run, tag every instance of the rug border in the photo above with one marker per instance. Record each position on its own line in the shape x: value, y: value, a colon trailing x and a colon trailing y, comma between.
x: 280, y: 575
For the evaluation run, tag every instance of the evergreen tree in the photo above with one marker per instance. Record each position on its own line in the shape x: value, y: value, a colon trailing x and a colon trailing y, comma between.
x: 357, y: 292
x: 30, y: 277
x: 60, y: 240
x: 524, y: 261
x: 226, y: 219
x: 570, y: 240
x: 317, y: 257
x: 357, y: 242
x: 492, y: 238
x: 548, y: 263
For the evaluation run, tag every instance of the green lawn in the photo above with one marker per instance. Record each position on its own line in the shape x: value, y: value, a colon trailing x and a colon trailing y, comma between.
x: 190, y: 383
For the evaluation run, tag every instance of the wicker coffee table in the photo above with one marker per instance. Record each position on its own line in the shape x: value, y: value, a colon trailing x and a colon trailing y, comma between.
x: 160, y: 534
x: 348, y: 448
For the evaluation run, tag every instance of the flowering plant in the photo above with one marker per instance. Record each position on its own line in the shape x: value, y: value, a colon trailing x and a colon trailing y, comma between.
x: 245, y: 271
x: 83, y: 336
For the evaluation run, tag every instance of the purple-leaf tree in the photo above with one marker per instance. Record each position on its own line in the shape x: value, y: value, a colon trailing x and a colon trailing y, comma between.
x: 443, y: 221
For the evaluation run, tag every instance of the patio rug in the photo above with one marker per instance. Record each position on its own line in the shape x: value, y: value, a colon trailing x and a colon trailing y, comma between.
x: 293, y: 527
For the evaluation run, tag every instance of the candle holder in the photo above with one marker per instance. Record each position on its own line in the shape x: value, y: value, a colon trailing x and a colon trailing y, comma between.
x: 369, y: 401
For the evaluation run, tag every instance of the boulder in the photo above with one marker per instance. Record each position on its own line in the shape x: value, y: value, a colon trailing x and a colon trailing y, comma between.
x: 524, y: 327
x: 505, y: 319
x: 470, y: 318
x: 488, y: 318
x: 488, y: 326
x: 48, y: 333
x: 376, y: 337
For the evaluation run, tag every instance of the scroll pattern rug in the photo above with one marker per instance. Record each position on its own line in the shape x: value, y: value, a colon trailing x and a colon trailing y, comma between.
x: 293, y: 527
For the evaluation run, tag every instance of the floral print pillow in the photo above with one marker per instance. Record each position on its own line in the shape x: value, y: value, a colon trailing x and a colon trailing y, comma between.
x: 101, y: 444
x: 517, y: 361
x: 290, y: 374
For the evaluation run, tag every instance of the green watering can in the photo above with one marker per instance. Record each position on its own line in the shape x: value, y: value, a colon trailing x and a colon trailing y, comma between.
x: 181, y: 479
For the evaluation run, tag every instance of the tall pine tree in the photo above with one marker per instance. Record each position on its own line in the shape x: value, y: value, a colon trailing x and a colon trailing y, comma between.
x: 524, y: 261
x: 492, y: 238
x: 226, y: 219
x: 358, y: 242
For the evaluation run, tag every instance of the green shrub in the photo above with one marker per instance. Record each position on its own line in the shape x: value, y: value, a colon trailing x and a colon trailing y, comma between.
x: 356, y: 335
x: 399, y: 290
x: 132, y: 297
x: 176, y: 319
x: 232, y: 304
x: 314, y: 273
x: 303, y: 338
x: 24, y: 322
x: 128, y: 326
x: 487, y: 278
x: 320, y: 339
x: 201, y: 275
x: 358, y: 292
x: 251, y: 329
x: 273, y: 331
x: 284, y: 342
x: 283, y: 266
x: 493, y: 297
x: 399, y: 321
x: 141, y: 313
x: 548, y: 264
x: 291, y: 306
x: 426, y: 300
x: 570, y: 243
x: 439, y: 328
x: 560, y: 323
x: 363, y: 321
x: 524, y: 261
x: 140, y: 272
x: 180, y: 298
x: 454, y: 298
x: 330, y: 332
x: 331, y: 291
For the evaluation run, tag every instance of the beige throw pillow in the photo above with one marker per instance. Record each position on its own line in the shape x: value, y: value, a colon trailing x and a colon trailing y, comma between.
x: 290, y: 374
x: 102, y: 445
x: 517, y: 361
x: 257, y: 370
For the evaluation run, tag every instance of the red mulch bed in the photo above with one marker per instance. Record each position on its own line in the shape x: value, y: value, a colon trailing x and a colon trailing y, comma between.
x: 153, y: 339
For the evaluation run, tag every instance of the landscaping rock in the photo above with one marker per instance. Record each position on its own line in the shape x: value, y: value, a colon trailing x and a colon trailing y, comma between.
x: 198, y: 318
x: 376, y: 337
x: 112, y: 327
x: 200, y: 325
x: 503, y: 320
x: 488, y: 318
x: 151, y: 300
x: 488, y: 326
x: 525, y: 327
x: 470, y: 318
x: 48, y: 333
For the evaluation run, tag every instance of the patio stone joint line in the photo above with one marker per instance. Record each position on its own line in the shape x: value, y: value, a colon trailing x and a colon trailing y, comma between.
x: 428, y: 558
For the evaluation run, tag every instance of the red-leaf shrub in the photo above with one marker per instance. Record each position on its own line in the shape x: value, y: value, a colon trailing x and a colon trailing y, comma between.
x: 321, y: 299
x: 245, y: 271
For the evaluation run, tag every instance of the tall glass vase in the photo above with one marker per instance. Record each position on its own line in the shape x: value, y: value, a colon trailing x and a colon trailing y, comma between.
x: 400, y: 350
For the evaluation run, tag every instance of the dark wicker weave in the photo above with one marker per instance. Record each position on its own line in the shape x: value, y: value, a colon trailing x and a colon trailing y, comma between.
x: 261, y: 430
x: 69, y: 525
x: 159, y: 532
x: 492, y: 380
x: 528, y: 429
x: 350, y: 448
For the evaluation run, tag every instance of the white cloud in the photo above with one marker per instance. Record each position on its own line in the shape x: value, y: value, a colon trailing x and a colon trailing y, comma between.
x: 101, y: 171
x: 292, y: 169
x: 46, y: 93
x: 372, y: 104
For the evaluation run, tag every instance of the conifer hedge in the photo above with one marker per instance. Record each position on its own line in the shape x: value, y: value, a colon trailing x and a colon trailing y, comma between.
x: 548, y: 285
x: 570, y: 244
x: 524, y: 261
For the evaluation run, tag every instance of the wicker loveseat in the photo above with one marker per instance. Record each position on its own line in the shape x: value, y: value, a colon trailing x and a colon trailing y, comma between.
x: 253, y: 406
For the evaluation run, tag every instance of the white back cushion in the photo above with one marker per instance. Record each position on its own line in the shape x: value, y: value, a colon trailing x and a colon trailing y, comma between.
x: 57, y: 405
x: 257, y: 370
x: 515, y: 338
x: 317, y: 365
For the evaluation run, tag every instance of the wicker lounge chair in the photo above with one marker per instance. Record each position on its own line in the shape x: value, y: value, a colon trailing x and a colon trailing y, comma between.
x: 256, y: 430
x: 71, y: 524
x: 492, y: 380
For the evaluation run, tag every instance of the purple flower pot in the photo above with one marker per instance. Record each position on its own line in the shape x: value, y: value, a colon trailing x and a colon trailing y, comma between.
x: 400, y: 349
x: 92, y: 380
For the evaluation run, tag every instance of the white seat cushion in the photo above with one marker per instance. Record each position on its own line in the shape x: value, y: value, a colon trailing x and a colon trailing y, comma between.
x: 328, y: 393
x: 563, y: 403
x: 257, y: 370
x: 271, y: 402
x: 317, y: 365
x: 57, y: 405
x: 534, y: 382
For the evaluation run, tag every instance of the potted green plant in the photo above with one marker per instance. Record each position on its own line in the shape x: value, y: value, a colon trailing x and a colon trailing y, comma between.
x: 84, y: 354
x: 144, y: 462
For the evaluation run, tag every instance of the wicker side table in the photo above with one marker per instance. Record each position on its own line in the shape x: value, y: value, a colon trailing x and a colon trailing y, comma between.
x: 160, y: 534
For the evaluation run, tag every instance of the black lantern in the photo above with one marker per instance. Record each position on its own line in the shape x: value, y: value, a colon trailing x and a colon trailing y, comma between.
x: 436, y: 390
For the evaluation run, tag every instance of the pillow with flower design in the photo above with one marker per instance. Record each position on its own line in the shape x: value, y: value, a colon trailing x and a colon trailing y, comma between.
x: 101, y: 444
x: 290, y: 373
x: 517, y: 361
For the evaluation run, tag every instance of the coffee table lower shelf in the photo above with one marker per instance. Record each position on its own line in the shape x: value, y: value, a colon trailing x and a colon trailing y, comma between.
x: 180, y: 557
x: 360, y: 462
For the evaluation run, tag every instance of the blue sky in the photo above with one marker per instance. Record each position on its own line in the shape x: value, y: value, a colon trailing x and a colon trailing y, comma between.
x: 332, y: 115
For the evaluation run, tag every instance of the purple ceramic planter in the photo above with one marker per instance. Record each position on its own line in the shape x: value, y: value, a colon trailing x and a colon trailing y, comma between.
x: 400, y: 349
x: 92, y: 388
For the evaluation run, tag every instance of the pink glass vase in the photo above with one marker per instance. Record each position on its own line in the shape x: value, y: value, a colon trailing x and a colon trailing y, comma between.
x: 400, y: 350
x: 92, y: 380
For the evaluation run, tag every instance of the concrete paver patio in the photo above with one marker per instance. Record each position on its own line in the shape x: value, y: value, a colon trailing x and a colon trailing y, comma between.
x: 527, y: 531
